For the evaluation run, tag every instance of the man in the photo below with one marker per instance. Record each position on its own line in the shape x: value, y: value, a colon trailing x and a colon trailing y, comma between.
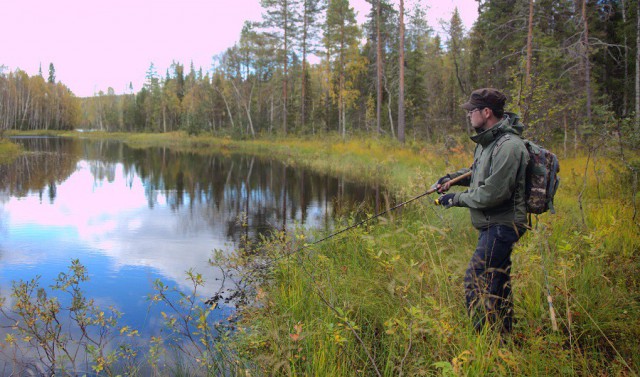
x: 496, y: 201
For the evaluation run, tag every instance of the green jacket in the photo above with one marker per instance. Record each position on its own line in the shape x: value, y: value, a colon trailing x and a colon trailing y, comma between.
x: 496, y: 193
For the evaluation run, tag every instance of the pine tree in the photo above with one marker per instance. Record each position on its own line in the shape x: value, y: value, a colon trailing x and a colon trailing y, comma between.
x: 341, y: 38
x: 52, y: 74
x: 310, y: 28
x: 281, y: 21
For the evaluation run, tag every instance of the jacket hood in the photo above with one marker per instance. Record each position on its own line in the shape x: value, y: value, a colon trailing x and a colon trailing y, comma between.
x: 510, y: 123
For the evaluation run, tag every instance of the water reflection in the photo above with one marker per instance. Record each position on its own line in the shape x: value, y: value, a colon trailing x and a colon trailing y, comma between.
x: 134, y: 215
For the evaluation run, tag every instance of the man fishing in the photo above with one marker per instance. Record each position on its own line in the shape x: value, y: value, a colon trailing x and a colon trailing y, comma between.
x: 496, y: 200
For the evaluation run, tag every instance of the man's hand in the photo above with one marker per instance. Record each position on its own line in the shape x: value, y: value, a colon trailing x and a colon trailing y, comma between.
x: 441, y: 184
x: 445, y: 200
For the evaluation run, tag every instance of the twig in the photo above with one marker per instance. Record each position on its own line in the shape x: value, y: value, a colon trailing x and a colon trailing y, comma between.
x: 552, y: 311
x: 584, y: 187
x: 568, y: 309
x: 406, y: 353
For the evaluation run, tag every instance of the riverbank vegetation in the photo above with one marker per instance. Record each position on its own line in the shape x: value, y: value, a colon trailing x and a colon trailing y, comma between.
x: 387, y: 296
x: 8, y: 151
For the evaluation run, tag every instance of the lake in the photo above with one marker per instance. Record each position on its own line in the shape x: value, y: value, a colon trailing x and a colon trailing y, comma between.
x: 132, y: 216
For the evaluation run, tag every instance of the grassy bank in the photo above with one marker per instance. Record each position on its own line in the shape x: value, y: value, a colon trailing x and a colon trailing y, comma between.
x: 387, y: 298
x: 8, y: 151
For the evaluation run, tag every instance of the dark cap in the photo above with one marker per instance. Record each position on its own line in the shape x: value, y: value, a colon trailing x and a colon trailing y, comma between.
x: 485, y: 97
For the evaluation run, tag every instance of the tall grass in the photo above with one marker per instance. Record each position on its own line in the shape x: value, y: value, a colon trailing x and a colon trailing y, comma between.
x: 387, y: 298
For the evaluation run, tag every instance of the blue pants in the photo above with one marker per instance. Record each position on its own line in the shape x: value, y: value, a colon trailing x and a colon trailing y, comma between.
x: 487, y: 282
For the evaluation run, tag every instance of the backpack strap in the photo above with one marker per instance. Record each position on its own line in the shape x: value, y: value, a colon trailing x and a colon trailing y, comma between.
x: 554, y: 183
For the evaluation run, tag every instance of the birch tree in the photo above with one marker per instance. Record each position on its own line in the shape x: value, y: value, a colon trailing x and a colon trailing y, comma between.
x: 401, y: 123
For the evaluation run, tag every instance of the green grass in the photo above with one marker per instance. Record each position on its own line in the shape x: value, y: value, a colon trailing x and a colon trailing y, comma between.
x: 387, y: 297
x: 8, y: 151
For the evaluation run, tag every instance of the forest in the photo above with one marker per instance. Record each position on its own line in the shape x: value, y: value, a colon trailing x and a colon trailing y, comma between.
x: 310, y: 86
x: 569, y: 68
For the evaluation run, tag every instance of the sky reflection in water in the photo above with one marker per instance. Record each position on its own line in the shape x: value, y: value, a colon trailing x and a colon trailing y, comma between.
x: 133, y: 216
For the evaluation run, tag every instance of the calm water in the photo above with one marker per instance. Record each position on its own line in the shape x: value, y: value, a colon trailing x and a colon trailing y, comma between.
x: 134, y: 216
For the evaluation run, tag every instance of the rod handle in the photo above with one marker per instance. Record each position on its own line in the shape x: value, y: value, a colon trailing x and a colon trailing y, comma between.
x: 454, y: 180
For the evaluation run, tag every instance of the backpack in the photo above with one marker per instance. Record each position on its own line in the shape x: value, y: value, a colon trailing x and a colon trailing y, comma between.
x: 541, y: 179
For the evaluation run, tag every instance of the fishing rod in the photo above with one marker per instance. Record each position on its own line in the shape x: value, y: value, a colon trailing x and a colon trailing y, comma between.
x: 429, y: 192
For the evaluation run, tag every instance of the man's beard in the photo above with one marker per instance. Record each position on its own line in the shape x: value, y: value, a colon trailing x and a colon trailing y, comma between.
x: 480, y: 129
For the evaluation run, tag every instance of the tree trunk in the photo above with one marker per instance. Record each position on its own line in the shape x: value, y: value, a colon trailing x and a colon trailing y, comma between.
x: 625, y: 91
x: 564, y: 122
x: 303, y: 82
x: 284, y: 84
x: 233, y: 126
x: 401, y: 124
x: 303, y: 90
x: 248, y: 110
x: 164, y: 118
x: 313, y: 122
x: 341, y: 87
x: 246, y: 104
x: 271, y: 115
x: 386, y: 88
x: 327, y: 106
x: 529, y: 46
x: 378, y: 71
x: 638, y: 69
x: 587, y: 64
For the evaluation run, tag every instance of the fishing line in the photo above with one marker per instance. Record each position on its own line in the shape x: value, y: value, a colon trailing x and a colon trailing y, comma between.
x: 428, y: 192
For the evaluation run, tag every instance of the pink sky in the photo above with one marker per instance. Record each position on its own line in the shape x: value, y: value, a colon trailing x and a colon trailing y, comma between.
x: 96, y: 44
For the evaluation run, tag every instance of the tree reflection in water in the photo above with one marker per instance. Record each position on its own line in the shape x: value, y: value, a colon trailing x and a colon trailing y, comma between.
x: 132, y: 215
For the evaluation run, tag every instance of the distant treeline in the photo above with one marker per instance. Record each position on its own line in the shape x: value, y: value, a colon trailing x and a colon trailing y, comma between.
x: 566, y: 65
x: 31, y: 103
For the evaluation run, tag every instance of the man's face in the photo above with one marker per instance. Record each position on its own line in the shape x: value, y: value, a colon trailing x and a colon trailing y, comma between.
x: 478, y: 119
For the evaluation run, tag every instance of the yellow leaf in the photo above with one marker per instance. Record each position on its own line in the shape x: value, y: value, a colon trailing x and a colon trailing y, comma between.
x: 507, y: 357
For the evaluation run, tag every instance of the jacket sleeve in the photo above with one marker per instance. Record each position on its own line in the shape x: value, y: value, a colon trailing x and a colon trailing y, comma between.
x: 464, y: 181
x: 499, y: 186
